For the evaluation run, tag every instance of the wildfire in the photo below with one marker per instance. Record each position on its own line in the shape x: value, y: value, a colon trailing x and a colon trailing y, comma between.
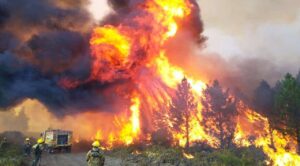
x: 252, y: 124
x: 128, y: 129
x: 133, y: 50
x: 167, y: 12
x: 188, y: 156
x: 131, y: 130
x: 135, y: 117
x: 109, y: 45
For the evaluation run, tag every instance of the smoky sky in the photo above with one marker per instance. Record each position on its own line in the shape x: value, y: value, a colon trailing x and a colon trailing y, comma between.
x: 42, y: 42
x: 46, y: 42
x: 258, y: 42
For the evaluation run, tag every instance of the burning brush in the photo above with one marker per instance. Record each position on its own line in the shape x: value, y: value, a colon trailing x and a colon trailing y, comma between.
x: 130, y: 72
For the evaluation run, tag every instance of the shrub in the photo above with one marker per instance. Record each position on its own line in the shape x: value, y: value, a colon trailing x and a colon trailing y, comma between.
x: 11, y: 155
x: 230, y: 157
x: 162, y: 137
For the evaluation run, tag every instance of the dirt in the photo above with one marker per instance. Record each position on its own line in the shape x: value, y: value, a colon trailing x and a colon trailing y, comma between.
x: 77, y: 159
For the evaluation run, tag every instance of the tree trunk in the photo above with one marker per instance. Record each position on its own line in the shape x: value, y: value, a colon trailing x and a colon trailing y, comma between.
x: 272, y: 138
x: 298, y: 141
x: 222, y: 141
x: 187, y: 129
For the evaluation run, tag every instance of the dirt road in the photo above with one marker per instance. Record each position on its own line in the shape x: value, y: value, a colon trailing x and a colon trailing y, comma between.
x: 73, y: 160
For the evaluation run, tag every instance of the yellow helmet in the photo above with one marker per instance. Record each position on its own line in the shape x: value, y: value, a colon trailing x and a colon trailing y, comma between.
x: 96, y: 144
x: 40, y: 141
x: 27, y: 139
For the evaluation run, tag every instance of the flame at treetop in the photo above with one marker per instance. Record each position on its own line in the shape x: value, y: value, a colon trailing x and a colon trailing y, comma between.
x: 136, y: 50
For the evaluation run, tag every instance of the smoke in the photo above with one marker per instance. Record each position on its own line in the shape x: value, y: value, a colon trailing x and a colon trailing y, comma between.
x: 117, y: 4
x: 44, y: 46
x: 15, y: 120
x: 41, y: 43
x: 257, y: 42
x: 246, y: 43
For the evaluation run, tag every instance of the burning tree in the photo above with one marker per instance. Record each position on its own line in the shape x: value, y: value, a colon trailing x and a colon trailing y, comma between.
x: 162, y: 135
x: 287, y: 103
x: 182, y: 108
x: 264, y: 104
x: 219, y: 114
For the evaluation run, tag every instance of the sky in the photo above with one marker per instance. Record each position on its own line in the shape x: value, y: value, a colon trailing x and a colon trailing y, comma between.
x: 99, y: 8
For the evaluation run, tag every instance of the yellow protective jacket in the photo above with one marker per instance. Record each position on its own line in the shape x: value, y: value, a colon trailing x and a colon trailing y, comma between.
x: 95, y: 157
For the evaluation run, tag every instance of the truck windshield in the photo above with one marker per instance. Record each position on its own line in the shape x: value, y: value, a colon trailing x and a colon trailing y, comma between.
x: 62, y: 139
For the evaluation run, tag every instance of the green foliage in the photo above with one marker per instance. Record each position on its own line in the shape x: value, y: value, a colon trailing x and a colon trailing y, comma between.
x: 17, y: 161
x: 263, y: 103
x: 151, y: 155
x: 287, y: 103
x: 11, y: 155
x: 298, y: 78
x: 251, y: 155
x: 281, y: 104
x: 159, y: 155
x: 226, y: 158
x: 232, y: 157
x: 122, y: 152
x: 164, y: 155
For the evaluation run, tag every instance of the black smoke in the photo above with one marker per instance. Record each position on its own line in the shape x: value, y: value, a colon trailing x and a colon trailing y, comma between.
x: 44, y: 42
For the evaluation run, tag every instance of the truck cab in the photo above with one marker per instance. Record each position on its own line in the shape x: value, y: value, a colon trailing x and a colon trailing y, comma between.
x: 58, y: 140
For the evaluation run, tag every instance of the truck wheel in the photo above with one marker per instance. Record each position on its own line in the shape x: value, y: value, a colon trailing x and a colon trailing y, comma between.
x: 50, y: 150
x: 68, y: 149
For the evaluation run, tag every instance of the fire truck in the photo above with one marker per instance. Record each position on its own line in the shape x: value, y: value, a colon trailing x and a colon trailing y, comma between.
x: 58, y: 140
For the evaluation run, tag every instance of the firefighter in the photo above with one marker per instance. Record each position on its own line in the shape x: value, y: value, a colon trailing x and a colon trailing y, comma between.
x: 27, y: 147
x: 95, y: 157
x: 37, y: 151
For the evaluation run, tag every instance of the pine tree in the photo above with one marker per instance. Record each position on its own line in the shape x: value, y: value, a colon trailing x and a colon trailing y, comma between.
x: 287, y: 104
x: 264, y: 104
x: 182, y: 108
x: 219, y: 114
x: 161, y: 135
x: 298, y: 78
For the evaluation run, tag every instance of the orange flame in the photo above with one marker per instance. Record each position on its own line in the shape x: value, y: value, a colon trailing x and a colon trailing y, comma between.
x: 188, y: 156
x: 253, y: 124
x: 114, y: 51
x: 131, y: 130
x: 108, y: 44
